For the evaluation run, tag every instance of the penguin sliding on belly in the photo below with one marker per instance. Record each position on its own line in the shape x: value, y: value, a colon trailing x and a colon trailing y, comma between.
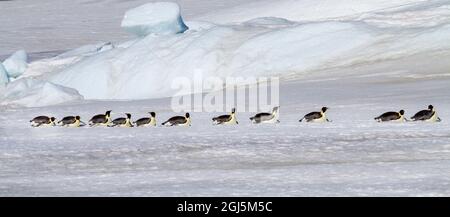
x: 178, y: 121
x: 71, y: 121
x: 226, y: 119
x: 43, y: 121
x: 101, y: 120
x: 146, y: 122
x: 429, y: 115
x: 392, y: 116
x: 122, y: 122
x: 269, y: 118
x: 316, y: 116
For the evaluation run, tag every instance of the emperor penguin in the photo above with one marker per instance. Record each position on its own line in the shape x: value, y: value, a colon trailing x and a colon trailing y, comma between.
x: 71, y: 121
x: 316, y: 117
x: 103, y: 120
x: 226, y: 119
x: 146, y: 122
x: 178, y: 121
x: 392, y: 116
x: 269, y: 118
x: 43, y: 121
x: 429, y: 115
x: 122, y: 122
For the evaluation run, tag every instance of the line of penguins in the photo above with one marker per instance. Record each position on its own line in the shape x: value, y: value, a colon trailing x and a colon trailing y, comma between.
x: 429, y: 115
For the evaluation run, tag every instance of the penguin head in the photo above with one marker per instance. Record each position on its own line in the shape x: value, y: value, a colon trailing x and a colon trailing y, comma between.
x: 275, y: 109
x: 153, y: 114
x: 401, y: 112
x: 128, y: 115
x: 324, y: 109
x: 233, y: 110
x: 430, y: 107
x: 77, y: 118
x: 52, y: 119
x: 108, y: 113
x: 188, y: 115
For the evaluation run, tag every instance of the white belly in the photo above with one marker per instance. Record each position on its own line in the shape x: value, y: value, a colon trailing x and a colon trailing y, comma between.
x: 231, y: 122
x: 187, y: 124
x: 401, y: 119
x: 274, y: 120
x: 183, y: 125
x: 434, y: 118
x: 34, y: 124
x: 320, y: 120
x: 76, y: 124
x: 151, y: 124
x: 127, y: 124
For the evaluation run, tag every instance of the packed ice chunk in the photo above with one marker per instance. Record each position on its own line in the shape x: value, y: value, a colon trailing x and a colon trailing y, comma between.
x: 3, y: 75
x: 29, y: 92
x: 158, y: 18
x: 16, y: 64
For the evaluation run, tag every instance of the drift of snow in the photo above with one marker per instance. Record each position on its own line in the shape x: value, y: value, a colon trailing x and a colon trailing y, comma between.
x: 16, y: 64
x: 30, y: 92
x: 154, y: 18
x: 3, y: 75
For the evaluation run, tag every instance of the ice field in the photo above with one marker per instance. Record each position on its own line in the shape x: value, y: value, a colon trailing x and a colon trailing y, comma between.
x: 360, y: 60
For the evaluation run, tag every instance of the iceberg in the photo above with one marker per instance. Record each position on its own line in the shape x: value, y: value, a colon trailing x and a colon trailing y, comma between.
x: 29, y: 92
x: 16, y: 64
x: 162, y: 18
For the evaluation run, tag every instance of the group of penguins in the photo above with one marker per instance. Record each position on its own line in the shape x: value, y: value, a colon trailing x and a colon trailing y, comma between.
x: 429, y: 115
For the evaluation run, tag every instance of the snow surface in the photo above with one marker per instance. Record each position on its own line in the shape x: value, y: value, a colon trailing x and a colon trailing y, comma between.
x: 359, y: 59
x: 162, y: 18
x: 351, y: 156
x: 16, y: 64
